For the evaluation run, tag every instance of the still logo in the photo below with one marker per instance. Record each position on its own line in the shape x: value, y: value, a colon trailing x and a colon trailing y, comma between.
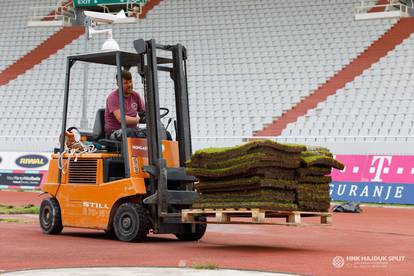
x: 96, y: 205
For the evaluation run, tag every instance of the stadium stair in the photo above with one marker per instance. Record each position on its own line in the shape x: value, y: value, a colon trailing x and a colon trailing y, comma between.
x: 149, y: 5
x: 379, y: 9
x: 378, y: 49
x: 47, y: 48
x: 60, y: 10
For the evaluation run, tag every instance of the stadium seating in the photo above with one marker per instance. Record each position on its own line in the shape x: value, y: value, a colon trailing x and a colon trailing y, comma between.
x: 248, y: 62
x: 377, y: 106
x: 16, y: 38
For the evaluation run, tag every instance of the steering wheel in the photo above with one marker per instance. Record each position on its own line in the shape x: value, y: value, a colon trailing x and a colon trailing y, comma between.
x: 142, y: 115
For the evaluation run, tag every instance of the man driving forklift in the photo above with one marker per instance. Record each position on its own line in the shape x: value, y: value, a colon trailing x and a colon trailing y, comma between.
x: 133, y: 104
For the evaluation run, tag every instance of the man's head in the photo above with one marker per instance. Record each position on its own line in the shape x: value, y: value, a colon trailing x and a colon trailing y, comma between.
x: 127, y: 85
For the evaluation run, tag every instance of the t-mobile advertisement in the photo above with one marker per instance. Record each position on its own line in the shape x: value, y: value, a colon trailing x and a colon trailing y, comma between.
x: 23, y: 170
x: 374, y: 178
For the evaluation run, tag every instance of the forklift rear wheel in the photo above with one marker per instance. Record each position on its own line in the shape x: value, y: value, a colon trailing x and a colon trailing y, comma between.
x: 49, y: 216
x: 200, y: 230
x: 131, y: 222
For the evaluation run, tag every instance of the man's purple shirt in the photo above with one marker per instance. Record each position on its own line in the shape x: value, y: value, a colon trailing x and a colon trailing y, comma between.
x: 132, y: 105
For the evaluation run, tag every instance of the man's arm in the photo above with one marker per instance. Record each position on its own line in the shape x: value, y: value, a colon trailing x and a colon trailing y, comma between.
x: 129, y: 120
x: 141, y: 103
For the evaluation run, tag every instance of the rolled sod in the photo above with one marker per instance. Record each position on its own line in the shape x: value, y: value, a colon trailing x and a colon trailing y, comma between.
x: 218, y: 154
x: 314, y: 179
x: 317, y: 151
x: 313, y: 197
x: 308, y: 191
x: 265, y: 194
x: 239, y: 169
x: 286, y: 160
x: 312, y: 187
x: 321, y: 160
x: 313, y: 171
x: 320, y: 206
x: 270, y: 205
x: 255, y: 182
x: 263, y: 174
x: 267, y: 172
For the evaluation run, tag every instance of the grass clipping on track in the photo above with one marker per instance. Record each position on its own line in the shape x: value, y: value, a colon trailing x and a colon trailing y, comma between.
x: 263, y: 174
x: 26, y: 209
x: 204, y: 266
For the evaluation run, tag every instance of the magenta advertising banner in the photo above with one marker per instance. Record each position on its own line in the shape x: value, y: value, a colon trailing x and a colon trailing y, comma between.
x: 374, y: 178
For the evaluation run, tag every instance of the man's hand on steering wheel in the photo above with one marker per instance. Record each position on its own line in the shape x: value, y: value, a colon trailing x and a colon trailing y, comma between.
x: 142, y: 115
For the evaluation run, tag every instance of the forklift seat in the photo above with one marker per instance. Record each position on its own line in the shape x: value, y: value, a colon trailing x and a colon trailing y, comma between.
x: 99, y: 125
x: 99, y: 135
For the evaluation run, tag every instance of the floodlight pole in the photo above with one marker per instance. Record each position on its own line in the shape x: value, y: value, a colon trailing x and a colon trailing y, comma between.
x: 84, y: 118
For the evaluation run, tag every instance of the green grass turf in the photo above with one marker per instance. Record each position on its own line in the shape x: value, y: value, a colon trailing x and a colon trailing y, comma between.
x: 320, y: 160
x: 261, y: 205
x: 27, y: 209
x: 221, y: 154
x: 237, y: 170
x: 254, y: 182
x: 291, y: 160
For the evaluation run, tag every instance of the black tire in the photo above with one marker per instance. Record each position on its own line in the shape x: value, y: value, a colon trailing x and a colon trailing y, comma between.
x: 50, y: 217
x: 110, y: 232
x: 200, y: 230
x: 131, y: 222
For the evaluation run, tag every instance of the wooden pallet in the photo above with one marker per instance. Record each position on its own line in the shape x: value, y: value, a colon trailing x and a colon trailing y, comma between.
x: 257, y: 216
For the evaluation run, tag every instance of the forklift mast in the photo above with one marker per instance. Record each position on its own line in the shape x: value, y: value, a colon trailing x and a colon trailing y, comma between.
x: 179, y: 76
x: 160, y: 195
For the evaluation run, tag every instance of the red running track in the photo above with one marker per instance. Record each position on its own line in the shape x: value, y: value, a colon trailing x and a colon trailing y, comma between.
x: 379, y: 232
x: 20, y: 198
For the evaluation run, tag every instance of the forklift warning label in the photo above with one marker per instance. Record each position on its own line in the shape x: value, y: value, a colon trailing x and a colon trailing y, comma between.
x: 20, y: 179
x: 139, y: 147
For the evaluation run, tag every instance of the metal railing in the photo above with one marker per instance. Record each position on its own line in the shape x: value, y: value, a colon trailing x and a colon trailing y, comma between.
x: 62, y: 12
x: 392, y: 6
x: 131, y: 6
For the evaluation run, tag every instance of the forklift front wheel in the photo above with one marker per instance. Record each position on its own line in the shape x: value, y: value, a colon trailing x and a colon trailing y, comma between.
x: 131, y: 222
x: 197, y: 234
x: 49, y: 216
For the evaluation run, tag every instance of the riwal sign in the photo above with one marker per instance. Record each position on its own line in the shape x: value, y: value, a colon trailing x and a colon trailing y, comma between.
x: 374, y: 178
x: 26, y: 170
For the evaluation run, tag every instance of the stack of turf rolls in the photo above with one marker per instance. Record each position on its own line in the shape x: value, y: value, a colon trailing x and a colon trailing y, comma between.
x: 312, y: 192
x: 263, y: 174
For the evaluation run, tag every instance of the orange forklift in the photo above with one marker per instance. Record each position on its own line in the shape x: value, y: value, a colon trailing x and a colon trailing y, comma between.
x: 133, y: 185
